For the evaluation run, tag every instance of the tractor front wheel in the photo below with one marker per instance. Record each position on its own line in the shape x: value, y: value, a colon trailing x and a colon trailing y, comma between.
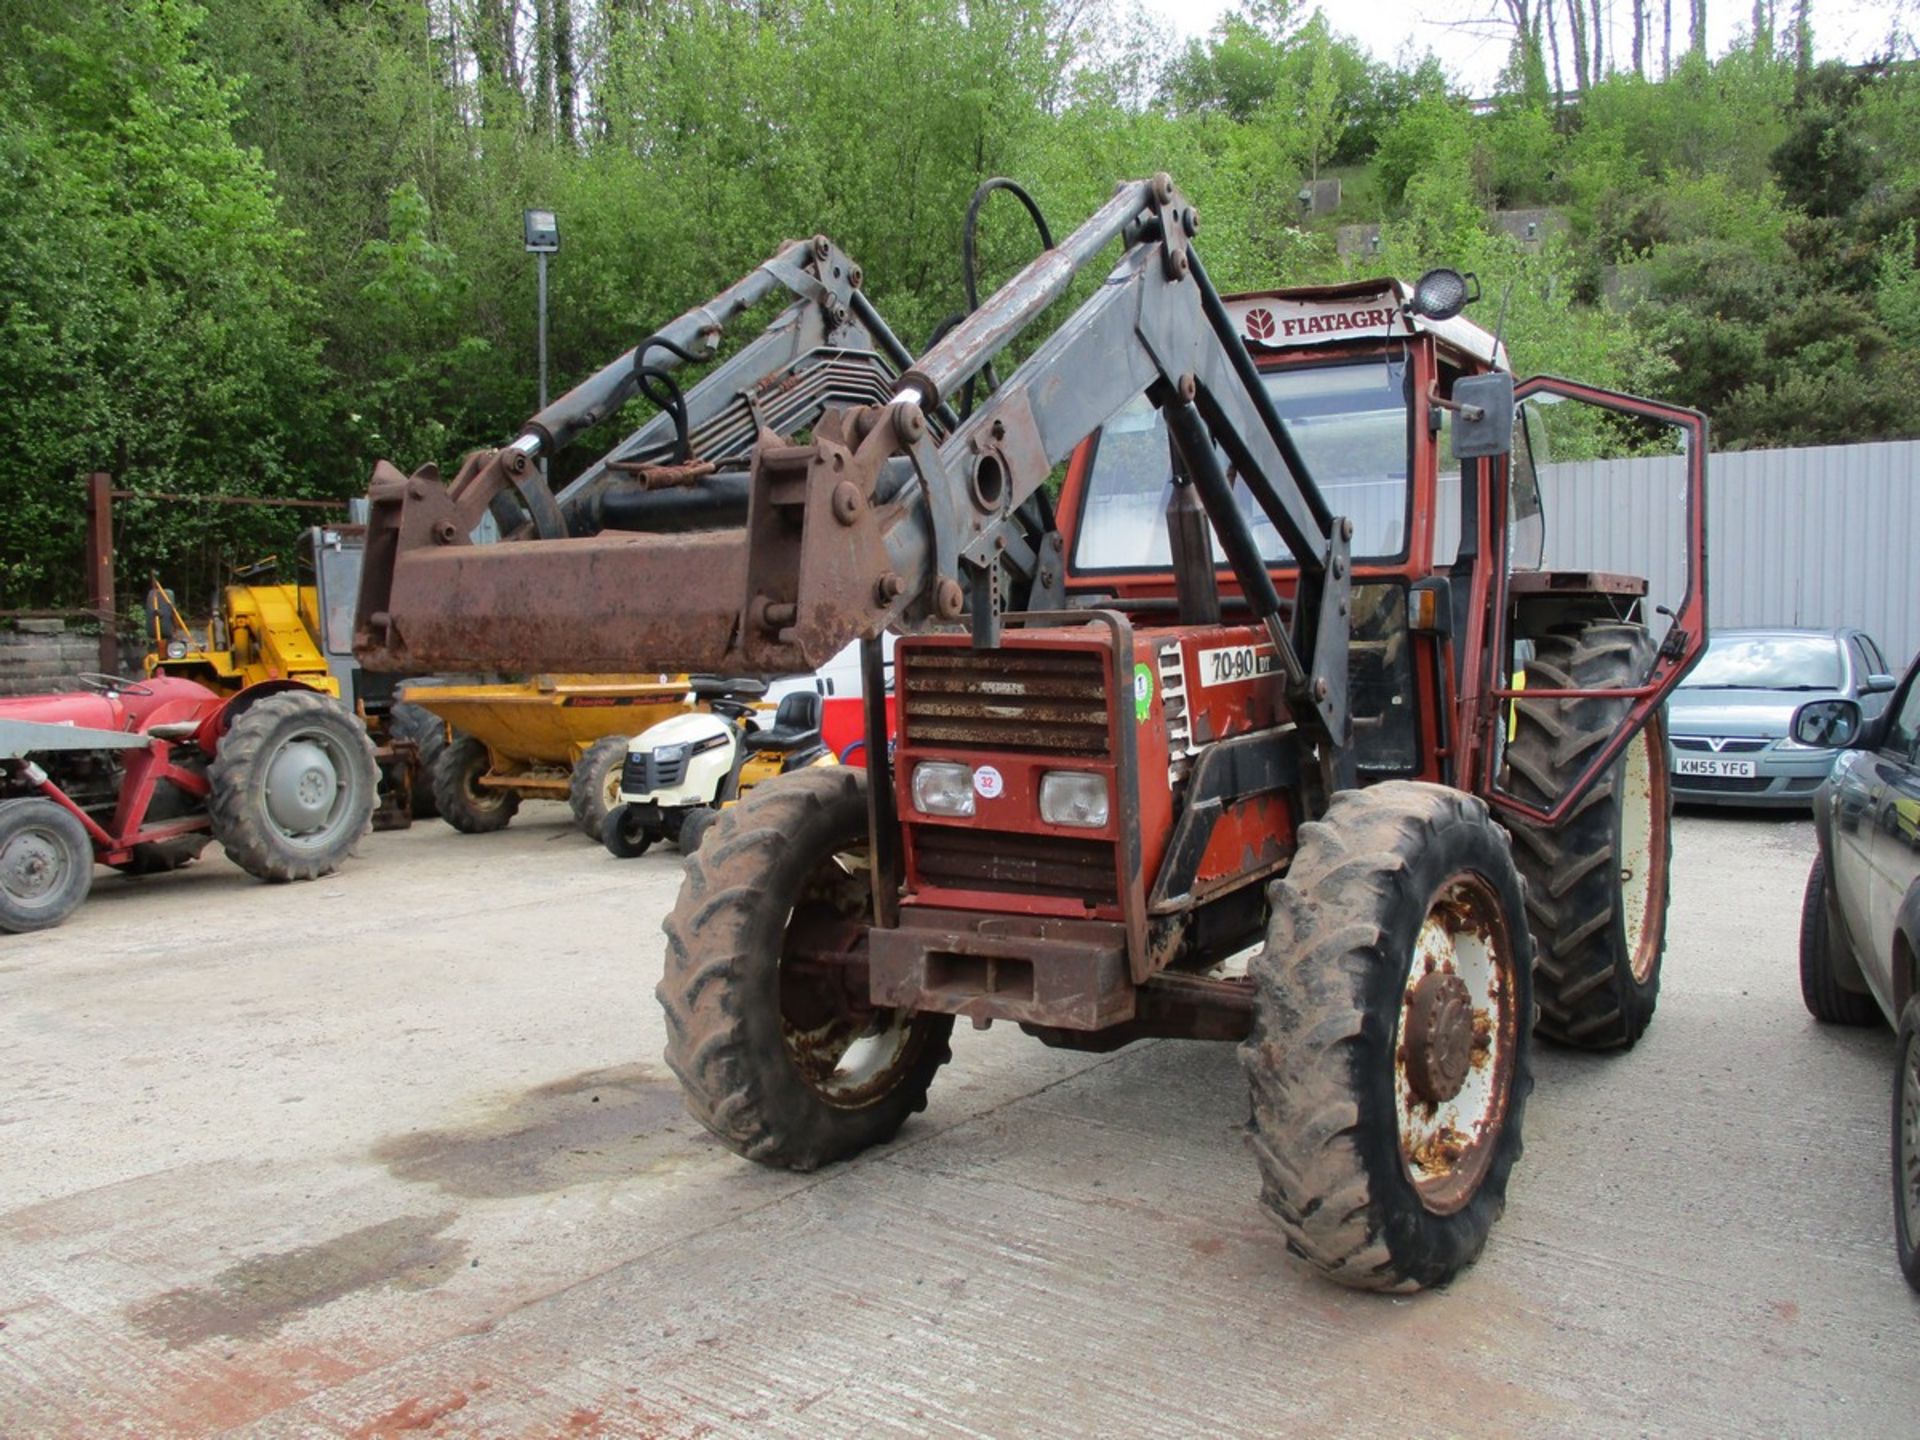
x: 594, y: 787
x: 1597, y: 882
x: 779, y: 1057
x: 293, y: 786
x: 1388, y: 1059
x: 463, y: 802
x: 46, y: 864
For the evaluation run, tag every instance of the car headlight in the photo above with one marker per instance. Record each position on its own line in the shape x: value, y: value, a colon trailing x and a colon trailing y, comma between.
x: 1073, y: 797
x: 941, y: 787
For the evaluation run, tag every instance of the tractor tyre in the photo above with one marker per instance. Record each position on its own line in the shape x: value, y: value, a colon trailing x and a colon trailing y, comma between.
x: 293, y: 786
x: 428, y: 732
x: 157, y: 857
x: 1827, y: 1000
x: 1388, y: 1059
x: 780, y: 1061
x: 46, y: 864
x: 463, y: 802
x: 624, y: 834
x: 594, y: 787
x: 692, y: 833
x: 1597, y: 882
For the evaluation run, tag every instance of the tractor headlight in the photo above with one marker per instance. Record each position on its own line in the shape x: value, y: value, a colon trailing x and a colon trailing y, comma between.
x: 176, y: 649
x: 941, y: 787
x: 1073, y: 797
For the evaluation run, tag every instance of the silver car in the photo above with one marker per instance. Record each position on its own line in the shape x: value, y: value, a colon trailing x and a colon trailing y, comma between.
x: 1727, y: 723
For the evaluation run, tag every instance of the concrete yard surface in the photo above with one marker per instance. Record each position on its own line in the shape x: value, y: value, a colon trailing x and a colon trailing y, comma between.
x: 394, y: 1153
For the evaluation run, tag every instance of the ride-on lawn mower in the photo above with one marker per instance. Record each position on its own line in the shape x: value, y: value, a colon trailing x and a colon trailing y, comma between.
x: 680, y: 773
x: 140, y: 774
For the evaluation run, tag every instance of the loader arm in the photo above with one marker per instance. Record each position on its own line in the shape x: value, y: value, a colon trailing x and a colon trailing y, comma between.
x: 880, y: 520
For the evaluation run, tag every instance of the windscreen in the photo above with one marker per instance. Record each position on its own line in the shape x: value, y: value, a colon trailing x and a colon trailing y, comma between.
x: 1349, y: 423
x: 1767, y: 662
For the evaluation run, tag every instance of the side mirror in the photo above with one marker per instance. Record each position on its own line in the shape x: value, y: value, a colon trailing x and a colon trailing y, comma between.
x: 1879, y: 685
x: 1826, y: 724
x: 1483, y: 415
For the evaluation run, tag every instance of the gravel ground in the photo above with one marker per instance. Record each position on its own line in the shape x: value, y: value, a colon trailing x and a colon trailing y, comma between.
x: 394, y: 1153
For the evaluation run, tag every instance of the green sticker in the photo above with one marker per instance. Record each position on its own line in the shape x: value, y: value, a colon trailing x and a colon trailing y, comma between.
x: 1142, y: 691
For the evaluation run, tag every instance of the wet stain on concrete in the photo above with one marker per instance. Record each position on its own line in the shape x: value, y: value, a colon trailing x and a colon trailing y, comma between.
x: 263, y: 1292
x: 410, y: 1417
x: 598, y: 1125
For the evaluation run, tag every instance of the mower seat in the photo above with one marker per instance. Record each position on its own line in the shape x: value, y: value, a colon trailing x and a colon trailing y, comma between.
x: 796, y: 725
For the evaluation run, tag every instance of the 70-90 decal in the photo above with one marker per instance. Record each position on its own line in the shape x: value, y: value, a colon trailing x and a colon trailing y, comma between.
x: 1233, y: 663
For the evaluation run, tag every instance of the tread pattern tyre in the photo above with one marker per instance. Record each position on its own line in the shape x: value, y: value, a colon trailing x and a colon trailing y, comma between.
x: 46, y: 864
x: 1906, y: 1143
x: 458, y: 795
x: 428, y: 732
x: 1826, y: 999
x: 246, y: 804
x: 1597, y: 885
x: 1340, y: 1167
x: 594, y: 787
x: 692, y: 832
x: 744, y: 1032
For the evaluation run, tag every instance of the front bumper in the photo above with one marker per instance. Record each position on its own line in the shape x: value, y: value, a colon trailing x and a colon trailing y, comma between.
x: 1782, y: 779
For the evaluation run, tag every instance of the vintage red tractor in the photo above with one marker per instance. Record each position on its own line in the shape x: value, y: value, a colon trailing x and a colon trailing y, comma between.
x: 139, y: 775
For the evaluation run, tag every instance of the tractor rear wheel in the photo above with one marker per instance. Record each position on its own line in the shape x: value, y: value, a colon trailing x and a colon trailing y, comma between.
x: 1597, y: 882
x: 293, y: 784
x: 428, y: 732
x: 594, y: 787
x: 1388, y: 1059
x: 46, y: 864
x: 463, y: 802
x: 777, y: 1056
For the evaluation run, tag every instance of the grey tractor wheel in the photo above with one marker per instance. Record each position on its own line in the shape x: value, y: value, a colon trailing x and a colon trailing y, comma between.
x: 594, y: 787
x: 1826, y: 999
x: 46, y: 864
x: 1388, y: 1061
x: 428, y: 732
x: 463, y: 802
x: 293, y: 786
x: 780, y: 1061
x: 1597, y: 882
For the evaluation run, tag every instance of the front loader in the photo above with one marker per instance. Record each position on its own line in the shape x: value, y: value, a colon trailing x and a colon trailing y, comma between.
x: 1222, y: 752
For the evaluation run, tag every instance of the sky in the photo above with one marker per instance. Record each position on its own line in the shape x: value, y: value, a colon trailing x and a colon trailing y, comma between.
x: 1844, y: 29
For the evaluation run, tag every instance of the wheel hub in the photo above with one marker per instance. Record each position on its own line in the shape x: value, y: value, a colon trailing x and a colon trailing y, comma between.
x: 1439, y: 1036
x: 30, y: 866
x: 302, y: 785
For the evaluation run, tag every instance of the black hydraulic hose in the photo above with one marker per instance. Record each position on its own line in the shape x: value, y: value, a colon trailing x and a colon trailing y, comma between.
x: 970, y: 268
x: 659, y: 386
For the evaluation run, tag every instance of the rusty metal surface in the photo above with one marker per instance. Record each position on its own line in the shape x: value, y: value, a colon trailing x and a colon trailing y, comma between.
x: 1033, y: 969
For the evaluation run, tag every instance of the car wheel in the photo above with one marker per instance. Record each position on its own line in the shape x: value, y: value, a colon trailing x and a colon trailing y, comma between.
x: 1906, y: 1143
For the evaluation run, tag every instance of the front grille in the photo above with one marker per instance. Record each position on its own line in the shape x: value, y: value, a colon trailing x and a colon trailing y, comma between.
x: 1725, y: 784
x: 1700, y: 744
x: 643, y: 773
x: 1016, y: 864
x: 1050, y: 701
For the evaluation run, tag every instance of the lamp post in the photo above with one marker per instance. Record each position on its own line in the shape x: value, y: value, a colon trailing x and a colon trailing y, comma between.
x: 543, y: 239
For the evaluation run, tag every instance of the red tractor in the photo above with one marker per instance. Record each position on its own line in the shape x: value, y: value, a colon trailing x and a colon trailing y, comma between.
x: 139, y: 775
x: 1231, y: 744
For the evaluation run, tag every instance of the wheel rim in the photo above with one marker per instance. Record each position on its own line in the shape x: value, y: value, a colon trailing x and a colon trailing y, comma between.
x: 610, y: 788
x: 1454, y: 1043
x: 1906, y: 1161
x: 1642, y: 852
x: 848, y: 1052
x: 33, y: 867
x: 307, y: 788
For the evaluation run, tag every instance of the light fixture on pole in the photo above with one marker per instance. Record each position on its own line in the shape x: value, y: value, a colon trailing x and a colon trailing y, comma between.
x: 543, y: 239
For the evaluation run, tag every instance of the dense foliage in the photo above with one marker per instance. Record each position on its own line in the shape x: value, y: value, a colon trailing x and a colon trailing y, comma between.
x: 251, y: 247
